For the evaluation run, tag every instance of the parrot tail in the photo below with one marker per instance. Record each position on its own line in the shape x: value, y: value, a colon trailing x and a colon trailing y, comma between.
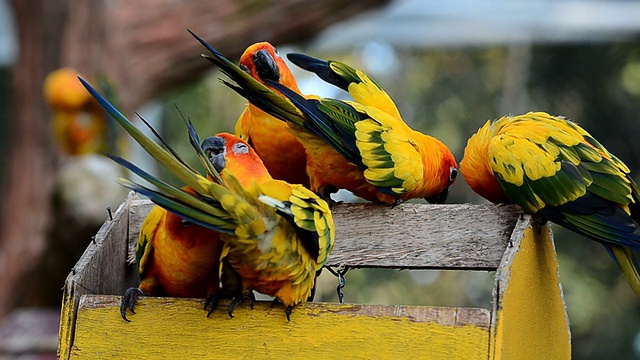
x: 322, y: 69
x: 628, y: 261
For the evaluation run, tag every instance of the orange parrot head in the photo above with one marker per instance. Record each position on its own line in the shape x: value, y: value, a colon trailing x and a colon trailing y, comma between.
x: 79, y: 124
x: 448, y: 175
x: 262, y: 61
x: 475, y: 164
x: 62, y: 90
x: 229, y: 153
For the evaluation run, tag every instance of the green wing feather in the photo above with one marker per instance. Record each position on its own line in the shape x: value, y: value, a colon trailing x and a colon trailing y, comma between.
x: 547, y: 166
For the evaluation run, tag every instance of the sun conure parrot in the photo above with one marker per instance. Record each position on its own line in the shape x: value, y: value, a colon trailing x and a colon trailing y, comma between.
x: 553, y: 168
x: 362, y: 146
x: 79, y: 123
x: 281, y: 152
x: 276, y: 236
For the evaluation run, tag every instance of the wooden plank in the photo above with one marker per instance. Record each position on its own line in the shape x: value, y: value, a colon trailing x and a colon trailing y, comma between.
x: 100, y: 270
x: 178, y: 328
x: 529, y: 316
x: 411, y: 236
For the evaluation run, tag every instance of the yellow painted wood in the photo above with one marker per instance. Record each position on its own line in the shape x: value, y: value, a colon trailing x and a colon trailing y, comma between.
x: 67, y: 324
x: 531, y: 315
x: 177, y: 328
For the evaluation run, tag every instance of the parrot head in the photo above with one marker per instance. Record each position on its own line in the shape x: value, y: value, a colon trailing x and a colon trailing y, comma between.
x: 229, y: 153
x: 475, y: 164
x: 449, y: 173
x: 262, y: 61
x: 63, y: 91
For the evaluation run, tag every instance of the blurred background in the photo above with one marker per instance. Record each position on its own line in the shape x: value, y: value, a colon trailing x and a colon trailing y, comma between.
x: 450, y: 66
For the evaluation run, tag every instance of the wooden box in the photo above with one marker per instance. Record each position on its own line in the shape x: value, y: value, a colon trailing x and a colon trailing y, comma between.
x: 528, y: 319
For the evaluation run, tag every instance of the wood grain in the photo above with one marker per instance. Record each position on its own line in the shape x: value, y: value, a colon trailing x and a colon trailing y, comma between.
x: 100, y: 270
x: 175, y: 328
x: 409, y: 236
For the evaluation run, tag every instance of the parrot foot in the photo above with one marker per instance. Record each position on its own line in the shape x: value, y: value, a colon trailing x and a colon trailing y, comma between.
x: 287, y: 312
x: 252, y: 298
x: 232, y: 306
x: 129, y: 301
x: 397, y: 202
x: 211, y: 302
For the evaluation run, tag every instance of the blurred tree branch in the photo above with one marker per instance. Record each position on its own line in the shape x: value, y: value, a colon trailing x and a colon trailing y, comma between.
x: 143, y: 47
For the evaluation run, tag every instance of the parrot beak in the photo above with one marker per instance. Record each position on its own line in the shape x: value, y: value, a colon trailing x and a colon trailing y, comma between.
x: 440, y: 198
x: 266, y: 67
x: 214, y: 147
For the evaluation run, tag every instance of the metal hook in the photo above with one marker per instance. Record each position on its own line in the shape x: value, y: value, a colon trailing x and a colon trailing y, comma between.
x: 342, y: 281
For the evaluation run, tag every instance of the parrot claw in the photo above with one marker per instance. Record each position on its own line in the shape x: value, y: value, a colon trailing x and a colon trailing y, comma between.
x: 232, y: 306
x: 129, y: 301
x: 237, y: 300
x: 252, y: 298
x: 287, y: 311
x: 211, y: 302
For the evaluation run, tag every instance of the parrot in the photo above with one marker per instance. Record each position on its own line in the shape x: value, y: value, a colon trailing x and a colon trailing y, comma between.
x: 362, y: 146
x: 281, y: 152
x: 79, y: 123
x: 276, y: 236
x: 556, y: 170
x: 174, y: 258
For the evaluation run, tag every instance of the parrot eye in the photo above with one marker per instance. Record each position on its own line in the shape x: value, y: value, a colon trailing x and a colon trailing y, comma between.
x: 241, y: 148
x: 453, y: 174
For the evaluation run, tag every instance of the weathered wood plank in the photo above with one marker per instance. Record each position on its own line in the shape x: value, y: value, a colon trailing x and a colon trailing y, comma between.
x: 412, y: 236
x: 529, y: 313
x: 178, y: 328
x: 100, y: 270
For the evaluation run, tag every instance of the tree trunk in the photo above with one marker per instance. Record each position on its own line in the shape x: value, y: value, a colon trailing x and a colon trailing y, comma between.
x: 144, y: 48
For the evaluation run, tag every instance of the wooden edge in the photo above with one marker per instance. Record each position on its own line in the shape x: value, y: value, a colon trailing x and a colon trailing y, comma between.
x: 72, y: 290
x: 529, y: 317
x: 171, y: 327
x: 409, y: 236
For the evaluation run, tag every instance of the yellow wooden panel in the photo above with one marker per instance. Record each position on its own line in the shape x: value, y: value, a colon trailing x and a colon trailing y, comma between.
x: 531, y: 318
x: 67, y: 322
x: 178, y: 328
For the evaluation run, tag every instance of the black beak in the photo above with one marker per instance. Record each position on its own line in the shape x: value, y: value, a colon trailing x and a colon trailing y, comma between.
x: 214, y: 147
x: 440, y: 198
x: 266, y: 66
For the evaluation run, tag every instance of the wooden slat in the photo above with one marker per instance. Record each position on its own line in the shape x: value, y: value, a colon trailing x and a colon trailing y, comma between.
x: 529, y: 313
x: 100, y: 270
x: 177, y: 328
x: 412, y: 236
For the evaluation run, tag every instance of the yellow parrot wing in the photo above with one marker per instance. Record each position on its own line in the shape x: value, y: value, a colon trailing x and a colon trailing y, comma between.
x: 546, y: 166
x: 391, y: 156
x: 144, y: 247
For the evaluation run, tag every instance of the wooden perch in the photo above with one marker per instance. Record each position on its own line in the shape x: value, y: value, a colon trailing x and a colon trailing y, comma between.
x: 528, y: 318
x: 408, y: 236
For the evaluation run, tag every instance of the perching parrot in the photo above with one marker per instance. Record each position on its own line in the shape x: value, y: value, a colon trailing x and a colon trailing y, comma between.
x: 174, y: 258
x: 275, y: 235
x: 362, y: 146
x: 79, y: 123
x: 553, y: 168
x: 281, y: 152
